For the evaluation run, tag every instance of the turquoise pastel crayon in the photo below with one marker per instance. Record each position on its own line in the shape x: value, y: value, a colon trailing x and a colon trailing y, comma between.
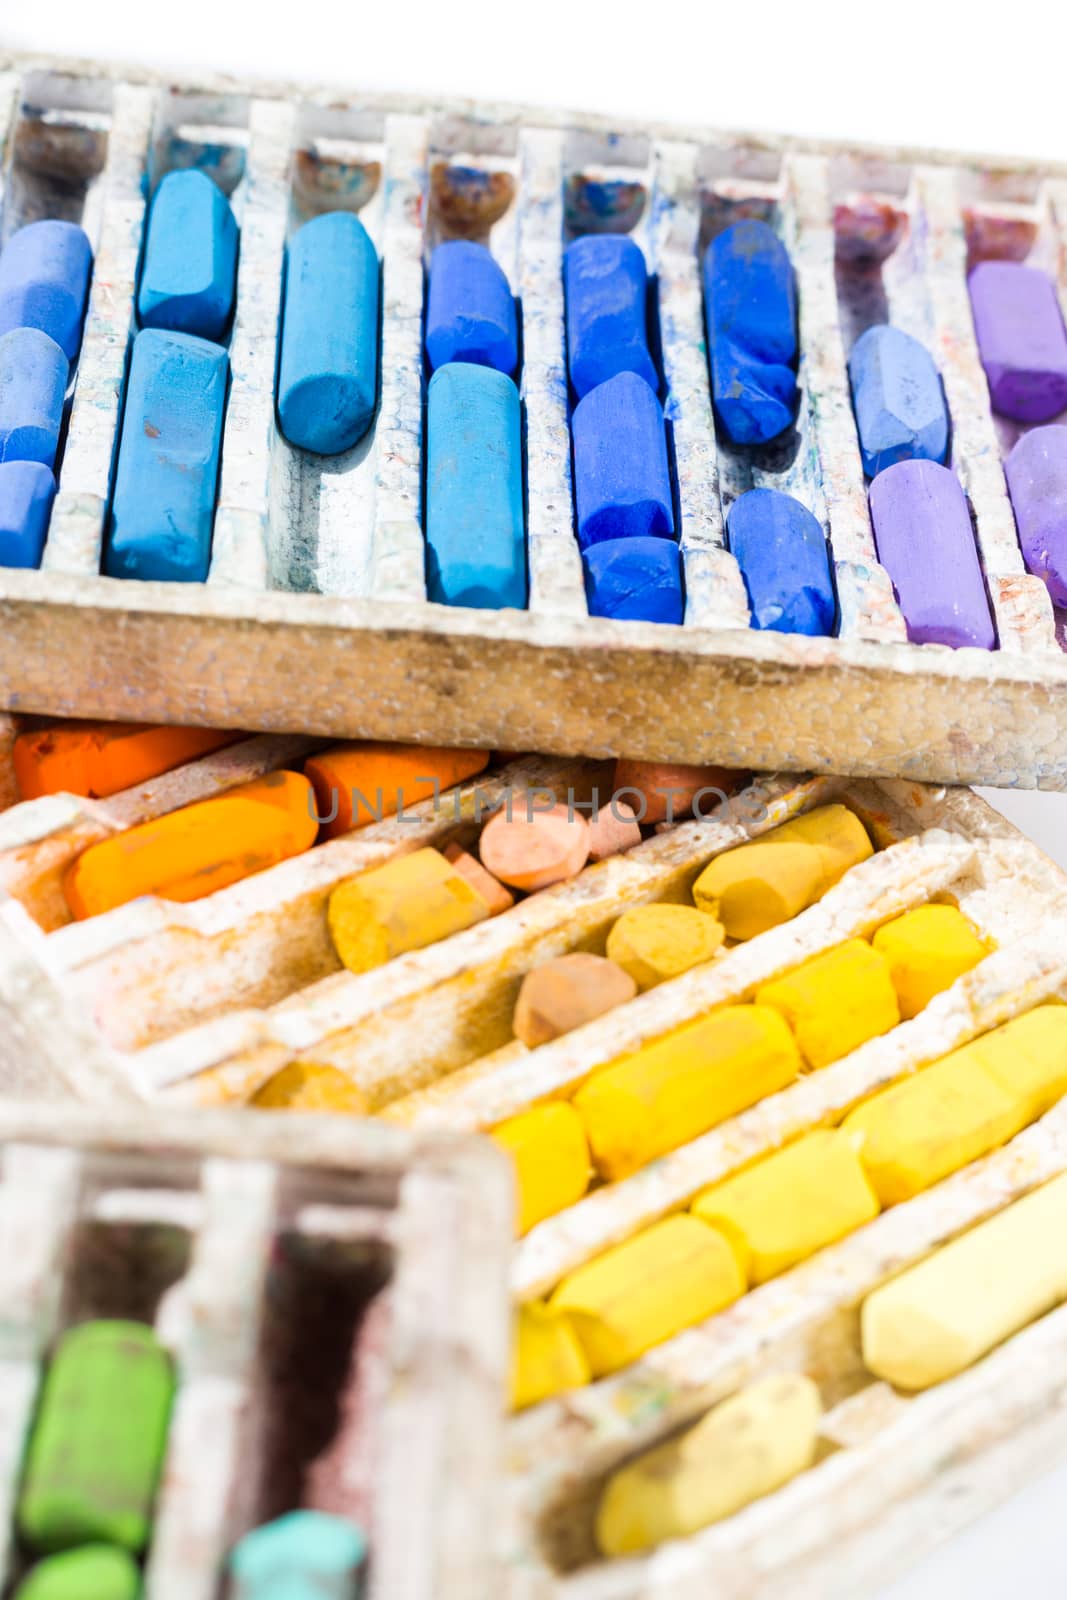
x: 475, y: 537
x: 639, y: 580
x: 168, y: 464
x: 305, y: 1555
x: 44, y: 281
x: 328, y: 372
x: 33, y: 383
x: 622, y: 484
x: 27, y: 489
x: 470, y: 310
x: 190, y: 259
x: 606, y: 285
x: 781, y: 550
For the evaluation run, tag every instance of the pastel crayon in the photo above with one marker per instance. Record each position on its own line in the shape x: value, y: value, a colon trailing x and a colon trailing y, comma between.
x: 1036, y: 471
x: 1021, y: 339
x: 927, y: 950
x: 656, y: 942
x: 475, y: 530
x: 98, y: 1439
x: 750, y: 309
x: 635, y: 579
x: 97, y: 759
x: 922, y: 528
x: 496, y: 897
x: 606, y: 286
x: 195, y: 851
x: 567, y: 992
x: 746, y: 1447
x: 550, y: 1156
x: 162, y: 512
x: 309, y: 1086
x: 328, y: 367
x: 897, y: 399
x: 304, y: 1555
x: 836, y: 1001
x: 670, y: 791
x: 1029, y: 1055
x: 44, y: 282
x: 407, y: 904
x: 33, y: 384
x: 93, y: 1572
x: 366, y: 781
x: 612, y: 829
x: 190, y: 260
x: 470, y: 309
x: 534, y: 849
x: 781, y: 550
x: 27, y: 489
x: 622, y: 485
x: 547, y: 1357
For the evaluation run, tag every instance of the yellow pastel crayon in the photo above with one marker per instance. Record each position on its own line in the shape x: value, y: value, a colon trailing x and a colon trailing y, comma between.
x: 656, y: 942
x: 407, y: 904
x: 1028, y: 1055
x: 927, y: 950
x: 551, y: 1158
x: 836, y: 1001
x: 547, y: 1358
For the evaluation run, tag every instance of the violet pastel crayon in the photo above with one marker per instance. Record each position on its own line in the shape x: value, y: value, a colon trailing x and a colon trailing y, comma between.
x: 898, y: 400
x: 751, y: 313
x: 33, y: 385
x: 44, y: 281
x: 27, y: 489
x: 922, y: 529
x: 637, y: 579
x: 606, y: 286
x: 1021, y: 339
x: 781, y: 550
x: 622, y: 485
x: 470, y: 309
x: 1036, y: 471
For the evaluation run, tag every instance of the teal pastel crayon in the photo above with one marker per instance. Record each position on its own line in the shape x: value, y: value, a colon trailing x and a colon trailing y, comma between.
x: 305, y: 1555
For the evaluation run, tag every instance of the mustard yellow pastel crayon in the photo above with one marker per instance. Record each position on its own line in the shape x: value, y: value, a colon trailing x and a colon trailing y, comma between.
x: 836, y: 1001
x: 927, y: 950
x: 769, y: 880
x: 551, y: 1158
x: 666, y: 1278
x: 657, y: 942
x: 1028, y: 1055
x: 791, y: 1203
x: 917, y: 1132
x: 547, y: 1358
x: 309, y: 1086
x: 941, y: 1316
x: 683, y: 1084
x: 409, y: 903
x: 745, y: 1448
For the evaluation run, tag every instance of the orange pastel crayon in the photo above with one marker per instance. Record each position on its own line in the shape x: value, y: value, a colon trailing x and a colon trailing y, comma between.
x: 360, y: 783
x: 195, y: 851
x: 670, y: 791
x: 97, y: 759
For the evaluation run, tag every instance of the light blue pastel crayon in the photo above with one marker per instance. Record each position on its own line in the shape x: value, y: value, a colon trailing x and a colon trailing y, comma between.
x: 622, y: 484
x: 475, y: 537
x: 33, y: 383
x: 27, y: 489
x: 328, y: 373
x: 190, y: 260
x: 168, y: 465
x: 639, y: 579
x: 606, y: 284
x: 751, y: 311
x: 781, y: 550
x: 305, y: 1555
x: 44, y: 281
x: 470, y: 310
x: 898, y: 400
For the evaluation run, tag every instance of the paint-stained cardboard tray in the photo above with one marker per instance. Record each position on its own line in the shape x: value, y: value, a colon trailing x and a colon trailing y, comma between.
x: 314, y: 614
x: 332, y: 1293
x: 185, y: 1006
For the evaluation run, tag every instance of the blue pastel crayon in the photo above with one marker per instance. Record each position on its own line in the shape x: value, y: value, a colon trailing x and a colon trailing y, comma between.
x: 751, y: 311
x: 168, y: 465
x: 606, y: 284
x: 898, y: 400
x: 754, y: 400
x: 622, y: 483
x: 27, y: 489
x: 470, y: 310
x: 639, y: 579
x: 44, y: 282
x: 33, y: 383
x: 781, y: 550
x: 190, y: 260
x: 328, y: 372
x: 304, y: 1555
x: 475, y: 537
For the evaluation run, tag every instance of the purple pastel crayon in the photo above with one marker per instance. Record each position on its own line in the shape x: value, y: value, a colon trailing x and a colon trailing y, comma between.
x: 922, y: 528
x: 1036, y: 472
x: 1021, y: 339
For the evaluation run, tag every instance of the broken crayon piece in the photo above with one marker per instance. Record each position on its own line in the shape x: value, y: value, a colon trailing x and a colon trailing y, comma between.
x: 548, y: 1149
x: 27, y: 490
x: 534, y: 849
x: 897, y: 398
x: 44, y: 281
x: 496, y: 897
x: 190, y: 260
x: 92, y: 1572
x: 309, y: 1086
x: 664, y: 792
x: 470, y: 310
x: 360, y: 783
x: 305, y: 1555
x: 622, y: 485
x: 781, y: 550
x: 635, y: 579
x: 612, y: 829
x: 836, y: 1001
x: 927, y: 950
x: 750, y: 308
x: 1036, y: 471
x: 33, y: 384
x: 922, y: 527
x: 656, y: 942
x: 606, y: 285
x: 407, y: 904
x: 567, y: 992
x: 547, y: 1358
x: 1021, y: 339
x: 97, y: 759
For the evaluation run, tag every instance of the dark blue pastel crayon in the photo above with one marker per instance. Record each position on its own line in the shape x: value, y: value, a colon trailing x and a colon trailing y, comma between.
x: 475, y: 534
x: 328, y: 371
x: 751, y: 313
x: 606, y: 283
x: 33, y: 383
x: 27, y: 489
x: 470, y: 311
x: 638, y: 579
x: 622, y: 484
x: 190, y: 261
x: 897, y: 398
x: 44, y: 282
x: 781, y: 550
x: 168, y: 465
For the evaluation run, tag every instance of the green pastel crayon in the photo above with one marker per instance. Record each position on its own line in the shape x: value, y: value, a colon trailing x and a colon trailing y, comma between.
x: 93, y: 1572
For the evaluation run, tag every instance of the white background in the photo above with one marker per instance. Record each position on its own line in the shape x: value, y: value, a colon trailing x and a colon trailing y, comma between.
x: 936, y: 73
